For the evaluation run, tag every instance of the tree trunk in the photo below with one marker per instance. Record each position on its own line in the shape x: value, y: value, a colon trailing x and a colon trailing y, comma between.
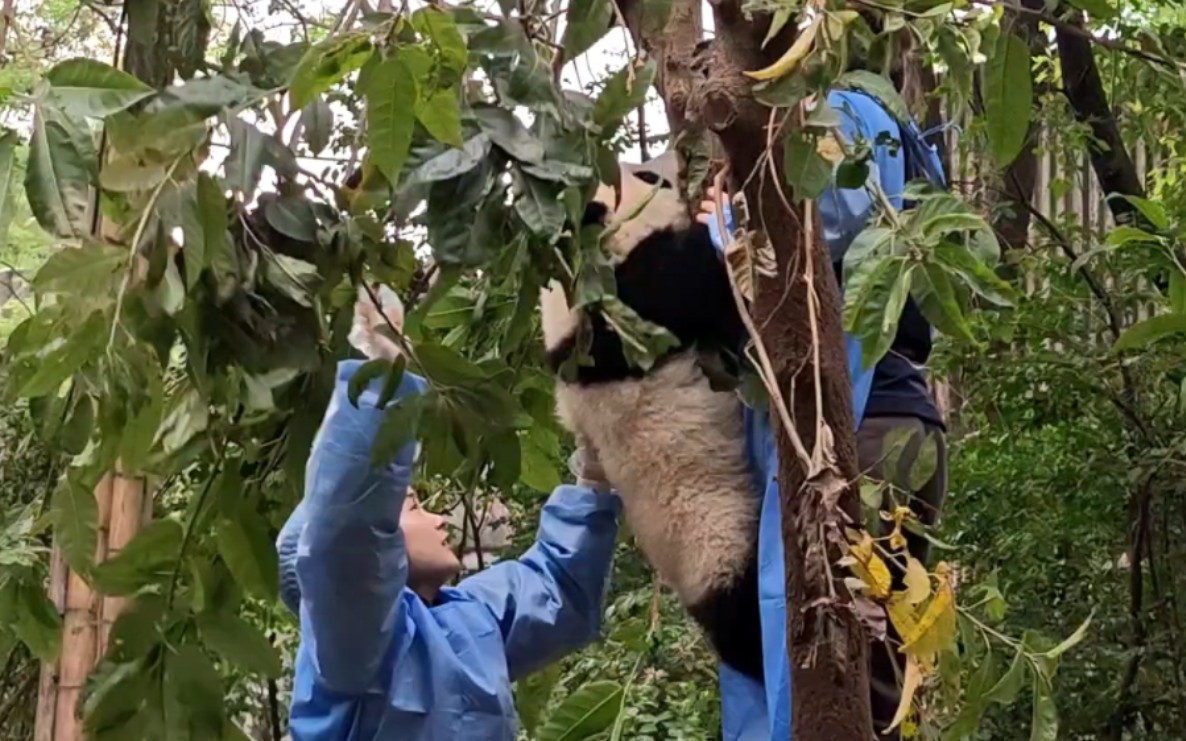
x: 828, y: 644
x: 704, y: 90
x: 1085, y: 90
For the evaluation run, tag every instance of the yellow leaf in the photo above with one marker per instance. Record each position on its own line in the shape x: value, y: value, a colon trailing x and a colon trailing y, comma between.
x: 909, y: 686
x: 918, y: 584
x: 788, y: 61
x: 901, y: 614
x: 897, y: 540
x: 870, y: 569
x: 936, y: 627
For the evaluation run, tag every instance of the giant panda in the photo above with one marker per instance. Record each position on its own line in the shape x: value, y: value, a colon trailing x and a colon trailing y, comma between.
x: 672, y: 447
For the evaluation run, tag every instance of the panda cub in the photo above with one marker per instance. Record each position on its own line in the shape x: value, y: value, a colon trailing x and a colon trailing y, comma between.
x: 673, y: 448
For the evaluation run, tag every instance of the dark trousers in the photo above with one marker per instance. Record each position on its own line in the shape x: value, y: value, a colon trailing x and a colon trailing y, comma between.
x: 885, y: 663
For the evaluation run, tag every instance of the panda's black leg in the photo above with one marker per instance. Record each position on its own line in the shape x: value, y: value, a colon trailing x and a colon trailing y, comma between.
x: 733, y: 622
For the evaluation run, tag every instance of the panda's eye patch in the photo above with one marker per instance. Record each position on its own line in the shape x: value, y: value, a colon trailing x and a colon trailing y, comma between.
x: 653, y: 178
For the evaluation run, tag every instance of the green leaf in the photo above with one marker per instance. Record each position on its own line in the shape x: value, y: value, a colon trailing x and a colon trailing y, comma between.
x: 35, y: 620
x: 79, y: 426
x: 439, y: 27
x: 398, y: 428
x: 121, y: 703
x: 976, y: 275
x: 440, y: 113
x: 879, y: 87
x: 61, y: 170
x: 509, y: 134
x: 76, y: 523
x: 1005, y: 691
x: 532, y: 694
x: 391, y: 384
x: 211, y: 211
x: 247, y: 549
x: 804, y: 169
x: 362, y: 378
x: 925, y: 463
x: 536, y: 465
x: 933, y: 291
x: 623, y: 93
x: 84, y: 271
x: 138, y: 628
x: 251, y: 151
x: 585, y: 22
x: 317, y: 120
x: 148, y: 559
x: 87, y: 87
x: 326, y: 64
x: 295, y: 279
x: 1144, y: 333
x: 81, y: 347
x: 239, y: 642
x: 589, y: 711
x: 1153, y: 211
x: 391, y: 104
x: 538, y: 205
x: 1045, y: 717
x: 1072, y: 640
x: 1008, y: 97
x: 1123, y: 235
x: 1177, y: 291
x: 1097, y: 9
x: 874, y: 298
x: 194, y: 699
x: 8, y: 143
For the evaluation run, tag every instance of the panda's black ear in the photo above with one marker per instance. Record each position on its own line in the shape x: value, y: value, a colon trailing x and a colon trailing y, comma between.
x: 654, y: 178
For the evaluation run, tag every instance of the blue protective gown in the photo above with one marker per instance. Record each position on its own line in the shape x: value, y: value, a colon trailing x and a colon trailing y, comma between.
x: 377, y: 662
x: 749, y: 710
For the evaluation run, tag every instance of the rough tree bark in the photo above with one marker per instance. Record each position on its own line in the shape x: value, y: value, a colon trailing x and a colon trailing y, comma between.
x: 704, y: 89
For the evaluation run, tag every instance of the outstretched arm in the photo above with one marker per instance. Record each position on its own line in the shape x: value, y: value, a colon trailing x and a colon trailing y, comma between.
x: 351, y: 564
x: 548, y: 603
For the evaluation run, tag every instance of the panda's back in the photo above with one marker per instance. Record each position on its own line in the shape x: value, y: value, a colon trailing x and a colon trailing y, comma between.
x: 675, y: 450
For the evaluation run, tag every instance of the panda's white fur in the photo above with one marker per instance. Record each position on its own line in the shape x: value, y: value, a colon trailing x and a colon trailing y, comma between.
x: 672, y: 447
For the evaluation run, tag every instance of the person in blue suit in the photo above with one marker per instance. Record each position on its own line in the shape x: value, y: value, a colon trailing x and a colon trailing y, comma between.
x: 890, y: 401
x: 388, y: 650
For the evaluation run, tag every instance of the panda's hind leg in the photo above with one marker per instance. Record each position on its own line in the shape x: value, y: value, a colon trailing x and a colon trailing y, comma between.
x: 732, y: 620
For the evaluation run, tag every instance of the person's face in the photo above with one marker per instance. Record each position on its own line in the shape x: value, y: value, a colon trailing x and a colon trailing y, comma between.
x: 431, y: 561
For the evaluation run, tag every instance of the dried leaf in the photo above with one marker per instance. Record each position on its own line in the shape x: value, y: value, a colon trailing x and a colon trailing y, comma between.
x: 870, y: 569
x: 910, y: 685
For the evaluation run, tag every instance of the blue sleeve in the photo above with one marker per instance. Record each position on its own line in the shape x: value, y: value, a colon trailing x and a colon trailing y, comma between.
x: 351, y: 564
x: 548, y: 603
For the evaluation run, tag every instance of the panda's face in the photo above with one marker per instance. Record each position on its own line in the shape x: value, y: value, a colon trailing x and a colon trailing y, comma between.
x: 648, y: 201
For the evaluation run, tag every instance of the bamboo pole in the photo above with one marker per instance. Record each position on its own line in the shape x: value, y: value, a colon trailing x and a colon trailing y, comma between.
x: 58, y: 713
x: 87, y: 616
